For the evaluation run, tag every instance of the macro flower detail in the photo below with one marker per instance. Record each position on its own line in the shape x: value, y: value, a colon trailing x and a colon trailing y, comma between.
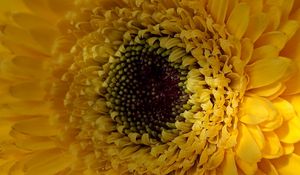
x: 149, y: 87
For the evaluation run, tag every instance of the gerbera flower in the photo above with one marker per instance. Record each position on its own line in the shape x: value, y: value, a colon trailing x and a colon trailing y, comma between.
x: 149, y: 87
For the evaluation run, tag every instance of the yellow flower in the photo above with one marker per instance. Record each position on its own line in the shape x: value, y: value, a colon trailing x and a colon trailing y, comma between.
x: 149, y: 87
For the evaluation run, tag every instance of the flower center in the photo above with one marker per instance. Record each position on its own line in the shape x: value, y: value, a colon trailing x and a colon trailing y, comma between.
x: 145, y: 90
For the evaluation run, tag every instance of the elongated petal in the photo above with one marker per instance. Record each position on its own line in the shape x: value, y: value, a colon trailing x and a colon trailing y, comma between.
x: 292, y: 50
x: 48, y: 162
x: 229, y: 166
x: 256, y: 133
x: 255, y: 110
x: 264, y: 52
x: 36, y: 127
x: 262, y: 72
x: 257, y: 25
x: 270, y: 90
x: 285, y: 108
x: 267, y: 167
x: 218, y: 9
x: 250, y: 154
x: 272, y: 148
x: 275, y: 38
x: 294, y: 100
x: 28, y: 91
x: 289, y: 164
x: 8, y: 6
x: 290, y: 28
x: 256, y: 6
x: 28, y: 21
x: 289, y: 131
x: 238, y: 20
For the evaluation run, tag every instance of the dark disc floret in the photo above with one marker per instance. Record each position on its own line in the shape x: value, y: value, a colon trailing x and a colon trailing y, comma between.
x: 146, y: 90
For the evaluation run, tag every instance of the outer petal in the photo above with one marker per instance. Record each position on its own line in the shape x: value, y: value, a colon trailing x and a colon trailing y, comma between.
x: 250, y: 154
x: 229, y: 166
x: 267, y: 71
x: 272, y: 147
x: 257, y: 25
x: 36, y: 127
x: 289, y: 131
x: 255, y: 110
x: 238, y: 20
x: 289, y: 164
x: 218, y: 9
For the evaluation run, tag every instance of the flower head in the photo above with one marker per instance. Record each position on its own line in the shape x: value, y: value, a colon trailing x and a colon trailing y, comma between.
x: 149, y: 87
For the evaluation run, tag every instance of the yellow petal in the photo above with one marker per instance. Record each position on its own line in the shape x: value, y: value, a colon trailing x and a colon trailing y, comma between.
x: 257, y: 25
x: 256, y: 133
x: 289, y: 164
x: 218, y: 9
x: 27, y: 20
x: 264, y: 52
x: 286, y: 7
x: 228, y: 166
x: 275, y: 38
x: 44, y: 37
x: 247, y: 50
x: 9, y: 6
x: 292, y: 50
x: 288, y: 148
x: 41, y: 8
x: 256, y: 6
x: 245, y: 167
x: 295, y: 102
x: 5, y: 128
x: 247, y: 149
x: 47, y: 163
x: 266, y: 167
x: 274, y: 16
x: 289, y: 28
x: 36, y: 143
x: 17, y: 39
x: 36, y: 127
x: 255, y: 110
x: 22, y: 67
x: 273, y: 148
x: 285, y: 108
x: 238, y: 20
x: 289, y: 131
x: 24, y: 108
x: 267, y: 71
x: 274, y: 121
x: 28, y: 91
x: 215, y: 160
x: 60, y: 7
x: 272, y: 90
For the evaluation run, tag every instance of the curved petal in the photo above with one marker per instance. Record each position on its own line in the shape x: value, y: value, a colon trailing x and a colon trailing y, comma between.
x: 229, y: 165
x: 49, y: 162
x: 285, y: 108
x: 218, y: 9
x: 289, y: 131
x: 264, y: 52
x: 275, y: 38
x: 247, y: 149
x: 257, y: 25
x: 273, y: 148
x: 255, y: 110
x: 36, y: 127
x: 267, y: 71
x: 238, y: 20
x: 266, y: 166
x: 289, y: 164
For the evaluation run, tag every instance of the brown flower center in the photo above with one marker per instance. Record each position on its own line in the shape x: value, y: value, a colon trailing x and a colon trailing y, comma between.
x: 146, y: 90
